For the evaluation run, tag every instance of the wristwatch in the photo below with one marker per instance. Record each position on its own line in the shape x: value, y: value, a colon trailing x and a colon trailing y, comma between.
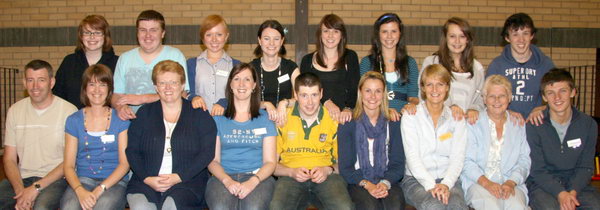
x: 37, y: 186
x: 103, y: 186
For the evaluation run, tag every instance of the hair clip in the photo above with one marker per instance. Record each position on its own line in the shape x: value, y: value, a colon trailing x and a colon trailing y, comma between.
x: 285, y: 31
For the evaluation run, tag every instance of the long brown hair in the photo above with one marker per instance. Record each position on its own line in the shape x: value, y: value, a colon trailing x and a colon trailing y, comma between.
x: 376, y: 57
x: 468, y: 54
x: 332, y: 21
x: 254, y: 98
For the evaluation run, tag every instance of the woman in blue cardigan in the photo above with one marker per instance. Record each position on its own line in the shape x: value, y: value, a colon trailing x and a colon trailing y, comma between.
x: 371, y: 154
x: 170, y: 147
x: 497, y: 158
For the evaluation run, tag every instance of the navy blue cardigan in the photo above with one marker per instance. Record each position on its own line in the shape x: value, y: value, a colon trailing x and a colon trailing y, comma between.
x: 193, y: 144
x: 556, y: 167
x: 347, y: 155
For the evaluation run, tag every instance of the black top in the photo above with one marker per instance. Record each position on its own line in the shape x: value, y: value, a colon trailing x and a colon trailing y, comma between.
x: 271, y: 82
x: 68, y: 75
x: 339, y: 85
x: 193, y: 148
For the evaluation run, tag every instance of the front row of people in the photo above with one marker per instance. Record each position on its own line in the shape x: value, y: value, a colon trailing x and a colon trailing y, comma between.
x: 429, y: 159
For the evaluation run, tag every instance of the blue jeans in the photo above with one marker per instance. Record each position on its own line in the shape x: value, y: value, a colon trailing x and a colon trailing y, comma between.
x: 589, y: 198
x: 417, y: 196
x: 332, y: 194
x: 112, y: 198
x: 218, y: 197
x: 364, y: 200
x: 48, y: 198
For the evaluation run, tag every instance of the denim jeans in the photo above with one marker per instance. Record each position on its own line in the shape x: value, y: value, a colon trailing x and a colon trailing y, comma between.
x: 589, y: 198
x: 417, y: 196
x: 332, y: 194
x: 138, y: 201
x: 218, y: 197
x: 112, y: 198
x: 48, y: 198
x: 364, y: 200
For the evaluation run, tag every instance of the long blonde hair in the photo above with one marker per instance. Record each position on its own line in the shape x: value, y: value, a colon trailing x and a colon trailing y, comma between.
x: 358, y: 109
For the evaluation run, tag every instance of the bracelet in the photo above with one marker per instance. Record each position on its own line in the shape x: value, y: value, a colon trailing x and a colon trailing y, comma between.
x: 332, y: 170
x: 103, y: 186
x: 259, y: 180
x: 75, y: 189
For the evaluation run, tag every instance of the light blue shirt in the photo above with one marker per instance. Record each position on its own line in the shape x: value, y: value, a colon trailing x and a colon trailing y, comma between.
x: 514, y: 161
x: 134, y: 76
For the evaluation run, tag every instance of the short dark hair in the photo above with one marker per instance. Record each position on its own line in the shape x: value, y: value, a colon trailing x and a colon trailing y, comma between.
x: 307, y: 79
x: 101, y: 73
x: 518, y: 21
x: 254, y: 98
x: 151, y: 15
x: 38, y: 64
x: 557, y: 75
x: 274, y: 24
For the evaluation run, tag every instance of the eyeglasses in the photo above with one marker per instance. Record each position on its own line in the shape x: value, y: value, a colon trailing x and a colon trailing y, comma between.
x: 95, y: 33
x: 170, y: 84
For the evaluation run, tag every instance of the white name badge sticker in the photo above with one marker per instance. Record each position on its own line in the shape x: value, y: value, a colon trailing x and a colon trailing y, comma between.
x: 283, y: 78
x: 260, y: 131
x: 574, y: 143
x: 222, y: 73
x: 106, y: 139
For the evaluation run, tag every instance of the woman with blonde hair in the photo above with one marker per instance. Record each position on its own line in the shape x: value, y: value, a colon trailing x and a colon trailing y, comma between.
x: 434, y: 145
x: 371, y: 155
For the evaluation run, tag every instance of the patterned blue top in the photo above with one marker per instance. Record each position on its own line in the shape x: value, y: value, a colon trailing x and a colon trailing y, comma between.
x: 103, y: 152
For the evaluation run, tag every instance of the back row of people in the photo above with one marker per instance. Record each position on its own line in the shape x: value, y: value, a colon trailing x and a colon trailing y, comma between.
x: 151, y: 31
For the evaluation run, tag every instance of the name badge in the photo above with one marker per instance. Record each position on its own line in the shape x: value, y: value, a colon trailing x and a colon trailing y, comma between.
x: 222, y: 73
x: 445, y: 136
x: 106, y: 139
x: 283, y: 78
x: 259, y: 131
x: 574, y: 143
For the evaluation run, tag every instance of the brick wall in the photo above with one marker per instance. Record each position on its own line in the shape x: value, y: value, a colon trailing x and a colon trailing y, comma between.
x: 490, y: 13
x: 546, y: 13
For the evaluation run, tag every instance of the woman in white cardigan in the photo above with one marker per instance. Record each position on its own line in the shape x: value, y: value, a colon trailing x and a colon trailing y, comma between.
x: 497, y: 158
x: 434, y: 145
x: 457, y: 55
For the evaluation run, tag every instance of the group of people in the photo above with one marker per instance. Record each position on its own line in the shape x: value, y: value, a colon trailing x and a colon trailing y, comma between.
x: 219, y: 133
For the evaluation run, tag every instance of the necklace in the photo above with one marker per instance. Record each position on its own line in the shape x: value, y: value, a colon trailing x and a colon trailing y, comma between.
x: 391, y: 94
x: 170, y: 129
x: 262, y: 84
x: 86, y: 142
